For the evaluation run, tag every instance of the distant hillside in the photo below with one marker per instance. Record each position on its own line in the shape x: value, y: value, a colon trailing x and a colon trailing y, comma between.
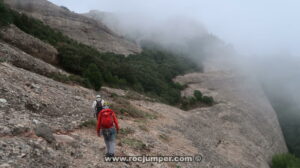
x: 175, y: 34
x: 150, y: 72
x: 76, y: 26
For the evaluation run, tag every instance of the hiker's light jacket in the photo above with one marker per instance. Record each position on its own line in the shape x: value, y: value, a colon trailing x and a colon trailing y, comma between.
x: 115, y: 120
x: 94, y: 109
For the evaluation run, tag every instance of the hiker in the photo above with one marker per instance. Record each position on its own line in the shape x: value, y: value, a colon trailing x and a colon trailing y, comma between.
x: 97, y: 105
x: 108, y: 127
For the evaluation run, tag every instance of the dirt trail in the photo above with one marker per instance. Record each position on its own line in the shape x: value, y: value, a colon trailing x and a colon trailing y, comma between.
x: 158, y: 135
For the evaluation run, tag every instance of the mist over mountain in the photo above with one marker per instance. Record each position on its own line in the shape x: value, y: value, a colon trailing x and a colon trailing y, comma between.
x: 178, y: 86
x: 269, y: 55
x: 179, y: 34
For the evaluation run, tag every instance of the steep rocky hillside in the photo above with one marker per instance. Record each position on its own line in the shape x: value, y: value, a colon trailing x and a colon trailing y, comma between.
x: 76, y: 26
x: 41, y: 124
x: 32, y: 105
x: 241, y: 130
x: 45, y: 123
x: 31, y: 45
x: 23, y: 60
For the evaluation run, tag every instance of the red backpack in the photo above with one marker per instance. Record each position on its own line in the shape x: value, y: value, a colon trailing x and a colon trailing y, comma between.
x: 106, y: 118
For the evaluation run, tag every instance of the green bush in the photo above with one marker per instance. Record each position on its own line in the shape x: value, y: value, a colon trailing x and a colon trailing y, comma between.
x: 2, y: 60
x: 164, y: 137
x: 184, y: 103
x: 134, y: 143
x: 6, y: 15
x: 79, y: 80
x: 89, y: 123
x: 94, y: 76
x: 197, y: 100
x: 208, y: 100
x: 192, y: 100
x: 123, y: 107
x: 285, y: 161
x: 144, y: 128
x: 198, y: 95
x: 59, y: 77
x: 125, y: 131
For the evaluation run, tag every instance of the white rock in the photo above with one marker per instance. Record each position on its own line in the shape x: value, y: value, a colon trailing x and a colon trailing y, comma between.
x: 63, y: 139
x: 4, y: 101
x: 77, y: 98
x: 35, y: 121
x: 4, y: 130
x: 36, y: 86
x: 5, y: 165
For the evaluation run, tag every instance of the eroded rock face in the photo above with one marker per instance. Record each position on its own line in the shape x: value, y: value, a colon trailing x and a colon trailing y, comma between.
x: 76, y: 26
x: 242, y: 129
x: 31, y: 45
x: 23, y: 60
x: 33, y: 99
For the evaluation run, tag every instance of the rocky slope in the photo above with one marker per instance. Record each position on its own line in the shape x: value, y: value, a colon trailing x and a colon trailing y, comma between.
x: 23, y: 60
x: 41, y: 118
x: 242, y: 129
x: 33, y: 105
x: 76, y: 26
x: 31, y: 45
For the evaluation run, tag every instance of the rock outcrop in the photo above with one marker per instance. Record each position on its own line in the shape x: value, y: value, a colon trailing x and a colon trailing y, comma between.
x: 242, y: 129
x: 76, y: 26
x: 23, y: 60
x: 31, y: 45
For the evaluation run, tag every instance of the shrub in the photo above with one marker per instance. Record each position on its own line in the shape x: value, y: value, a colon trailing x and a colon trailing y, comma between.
x: 134, y: 143
x: 144, y: 128
x: 197, y: 100
x: 179, y: 86
x: 59, y: 77
x: 126, y: 131
x: 184, y: 103
x: 79, y: 80
x: 89, y: 123
x: 69, y: 79
x: 164, y: 137
x: 198, y: 95
x: 192, y: 100
x: 2, y: 60
x: 94, y: 76
x: 208, y: 100
x: 65, y: 8
x: 285, y: 161
x: 6, y: 15
x: 124, y: 107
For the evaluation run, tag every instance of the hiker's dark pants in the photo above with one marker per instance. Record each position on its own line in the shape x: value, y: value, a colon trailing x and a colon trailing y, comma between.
x: 109, y: 135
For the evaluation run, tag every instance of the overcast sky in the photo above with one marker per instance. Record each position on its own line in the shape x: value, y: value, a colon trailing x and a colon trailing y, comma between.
x: 252, y: 26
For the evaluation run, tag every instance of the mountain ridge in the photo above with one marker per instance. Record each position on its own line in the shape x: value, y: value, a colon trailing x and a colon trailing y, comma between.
x: 76, y: 26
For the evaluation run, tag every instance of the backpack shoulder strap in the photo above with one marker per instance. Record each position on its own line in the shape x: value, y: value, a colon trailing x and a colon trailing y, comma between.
x: 99, y: 103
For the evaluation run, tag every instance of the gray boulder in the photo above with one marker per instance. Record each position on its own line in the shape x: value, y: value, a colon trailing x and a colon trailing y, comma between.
x: 42, y: 130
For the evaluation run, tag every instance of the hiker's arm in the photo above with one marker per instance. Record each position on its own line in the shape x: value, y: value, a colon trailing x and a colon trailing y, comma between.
x: 99, y: 125
x: 116, y: 122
